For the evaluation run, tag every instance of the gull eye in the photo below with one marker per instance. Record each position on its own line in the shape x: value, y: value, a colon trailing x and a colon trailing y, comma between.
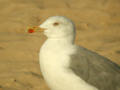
x: 56, y: 24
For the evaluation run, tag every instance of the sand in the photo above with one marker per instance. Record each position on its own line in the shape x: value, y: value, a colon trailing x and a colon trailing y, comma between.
x: 98, y: 29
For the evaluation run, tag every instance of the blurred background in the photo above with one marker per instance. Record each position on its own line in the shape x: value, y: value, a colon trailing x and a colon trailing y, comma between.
x: 97, y: 24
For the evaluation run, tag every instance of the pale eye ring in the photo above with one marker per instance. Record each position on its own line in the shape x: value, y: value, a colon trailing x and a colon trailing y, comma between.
x: 56, y: 24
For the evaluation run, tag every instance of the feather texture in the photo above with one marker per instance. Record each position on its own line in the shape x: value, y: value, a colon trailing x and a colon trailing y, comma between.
x: 95, y: 69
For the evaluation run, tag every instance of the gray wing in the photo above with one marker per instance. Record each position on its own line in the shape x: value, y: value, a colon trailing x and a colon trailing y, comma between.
x: 95, y: 69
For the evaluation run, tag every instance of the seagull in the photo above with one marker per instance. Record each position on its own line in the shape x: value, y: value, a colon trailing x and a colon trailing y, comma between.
x: 66, y: 66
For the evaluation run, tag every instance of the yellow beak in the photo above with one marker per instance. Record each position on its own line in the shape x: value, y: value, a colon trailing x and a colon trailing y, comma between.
x: 35, y: 29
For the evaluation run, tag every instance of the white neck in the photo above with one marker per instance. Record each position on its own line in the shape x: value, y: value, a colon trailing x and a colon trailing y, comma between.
x: 54, y: 63
x: 62, y: 40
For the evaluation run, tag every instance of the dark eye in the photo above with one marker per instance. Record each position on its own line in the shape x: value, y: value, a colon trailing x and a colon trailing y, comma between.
x: 56, y: 24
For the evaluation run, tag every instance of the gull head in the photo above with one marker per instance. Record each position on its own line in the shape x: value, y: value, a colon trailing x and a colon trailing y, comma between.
x: 58, y: 27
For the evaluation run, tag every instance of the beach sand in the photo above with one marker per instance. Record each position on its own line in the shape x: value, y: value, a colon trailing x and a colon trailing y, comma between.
x: 98, y: 29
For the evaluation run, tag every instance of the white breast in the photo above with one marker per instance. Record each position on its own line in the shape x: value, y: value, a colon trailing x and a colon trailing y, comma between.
x: 54, y: 64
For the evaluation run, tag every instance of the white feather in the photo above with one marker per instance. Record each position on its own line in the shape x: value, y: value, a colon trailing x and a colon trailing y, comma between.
x: 55, y: 60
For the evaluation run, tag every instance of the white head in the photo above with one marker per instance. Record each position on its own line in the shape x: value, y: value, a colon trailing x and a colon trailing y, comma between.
x: 57, y: 27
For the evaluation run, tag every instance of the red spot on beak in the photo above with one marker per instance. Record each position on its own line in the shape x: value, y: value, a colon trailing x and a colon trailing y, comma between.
x: 31, y: 30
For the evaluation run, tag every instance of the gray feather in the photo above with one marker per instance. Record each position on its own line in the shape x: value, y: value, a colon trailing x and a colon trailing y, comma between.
x: 95, y: 69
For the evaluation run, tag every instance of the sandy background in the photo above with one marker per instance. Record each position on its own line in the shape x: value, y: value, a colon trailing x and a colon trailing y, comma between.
x: 98, y: 29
